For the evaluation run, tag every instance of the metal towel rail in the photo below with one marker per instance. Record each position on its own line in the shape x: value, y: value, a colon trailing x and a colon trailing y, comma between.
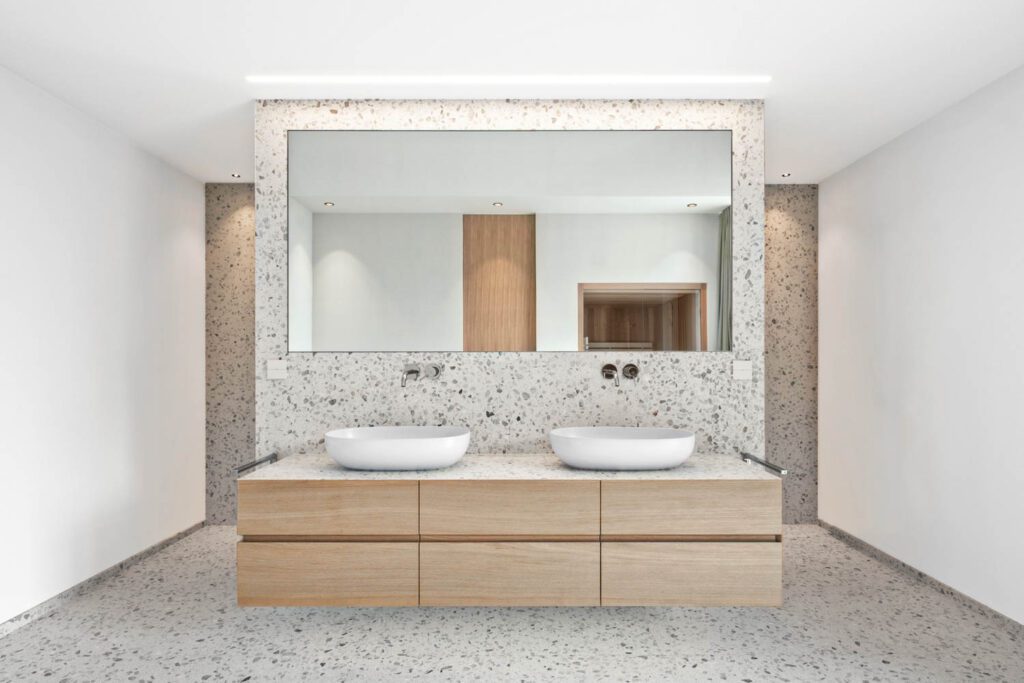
x: 747, y: 457
x: 255, y: 463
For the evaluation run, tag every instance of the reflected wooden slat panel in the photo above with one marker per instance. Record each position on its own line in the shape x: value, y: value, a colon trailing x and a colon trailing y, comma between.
x: 499, y: 283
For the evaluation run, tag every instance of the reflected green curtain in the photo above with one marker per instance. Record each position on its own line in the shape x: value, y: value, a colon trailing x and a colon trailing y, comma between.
x: 725, y: 280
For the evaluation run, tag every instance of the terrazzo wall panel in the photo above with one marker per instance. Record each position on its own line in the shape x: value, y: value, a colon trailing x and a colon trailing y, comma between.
x: 230, y: 408
x: 509, y: 400
x: 791, y: 343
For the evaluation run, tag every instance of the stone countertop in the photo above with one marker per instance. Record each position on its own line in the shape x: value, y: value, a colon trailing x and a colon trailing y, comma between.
x: 504, y: 467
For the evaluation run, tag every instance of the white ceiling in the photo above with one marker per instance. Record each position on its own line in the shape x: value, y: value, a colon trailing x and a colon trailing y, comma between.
x: 847, y: 76
x: 527, y: 171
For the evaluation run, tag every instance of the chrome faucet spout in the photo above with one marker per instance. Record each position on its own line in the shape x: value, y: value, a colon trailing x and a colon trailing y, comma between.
x: 410, y: 371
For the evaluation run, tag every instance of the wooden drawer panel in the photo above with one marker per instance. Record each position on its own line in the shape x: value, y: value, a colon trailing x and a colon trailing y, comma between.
x: 685, y: 508
x: 336, y: 574
x: 510, y: 509
x: 328, y: 508
x: 510, y: 574
x: 691, y: 574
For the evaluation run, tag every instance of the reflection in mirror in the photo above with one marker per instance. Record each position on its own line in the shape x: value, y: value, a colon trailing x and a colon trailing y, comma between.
x: 509, y: 240
x: 645, y: 317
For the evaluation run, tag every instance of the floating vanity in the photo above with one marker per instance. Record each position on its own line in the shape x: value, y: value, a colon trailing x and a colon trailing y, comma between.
x: 510, y: 530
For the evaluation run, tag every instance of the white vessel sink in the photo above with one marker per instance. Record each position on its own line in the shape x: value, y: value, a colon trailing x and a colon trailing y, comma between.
x: 622, y: 448
x: 397, y: 448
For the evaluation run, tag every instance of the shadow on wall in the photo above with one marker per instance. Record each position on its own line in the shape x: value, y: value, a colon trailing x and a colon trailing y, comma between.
x: 791, y: 343
x: 230, y: 342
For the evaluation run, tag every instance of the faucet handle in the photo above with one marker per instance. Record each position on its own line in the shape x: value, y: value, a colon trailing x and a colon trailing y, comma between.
x: 630, y: 371
x: 610, y: 371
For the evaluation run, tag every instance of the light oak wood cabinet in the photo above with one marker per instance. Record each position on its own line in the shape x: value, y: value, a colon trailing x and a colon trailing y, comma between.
x: 688, y: 542
x: 388, y: 509
x: 710, y: 574
x: 698, y: 507
x: 567, y: 510
x: 303, y: 574
x: 510, y: 574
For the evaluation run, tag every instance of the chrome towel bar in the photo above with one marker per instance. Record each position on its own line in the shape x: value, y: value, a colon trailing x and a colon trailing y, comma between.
x: 255, y: 463
x: 747, y: 457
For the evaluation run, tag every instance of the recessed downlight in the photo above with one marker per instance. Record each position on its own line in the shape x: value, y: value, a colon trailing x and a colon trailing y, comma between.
x: 328, y: 204
x: 236, y: 175
x: 691, y: 205
x: 786, y: 175
x: 498, y: 204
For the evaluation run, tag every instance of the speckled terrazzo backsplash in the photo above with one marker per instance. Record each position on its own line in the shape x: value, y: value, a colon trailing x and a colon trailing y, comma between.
x: 791, y: 343
x: 509, y: 400
x: 230, y: 410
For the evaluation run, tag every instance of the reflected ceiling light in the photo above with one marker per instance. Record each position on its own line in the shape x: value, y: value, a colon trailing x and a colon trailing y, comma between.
x: 786, y: 175
x: 691, y: 206
x: 498, y: 204
x: 507, y: 79
x: 328, y: 204
x: 236, y: 175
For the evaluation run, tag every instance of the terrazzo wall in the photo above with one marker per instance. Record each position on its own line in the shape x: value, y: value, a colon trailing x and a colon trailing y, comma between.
x: 790, y: 348
x: 791, y: 343
x: 230, y: 328
x: 509, y: 400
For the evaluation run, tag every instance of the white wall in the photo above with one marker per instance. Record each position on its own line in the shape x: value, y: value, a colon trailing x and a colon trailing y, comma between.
x: 574, y: 248
x: 102, y: 303
x: 387, y: 282
x: 300, y: 277
x: 921, y: 318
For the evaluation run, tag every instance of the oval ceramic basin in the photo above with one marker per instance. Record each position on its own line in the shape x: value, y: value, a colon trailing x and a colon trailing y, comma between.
x: 622, y: 448
x: 397, y: 448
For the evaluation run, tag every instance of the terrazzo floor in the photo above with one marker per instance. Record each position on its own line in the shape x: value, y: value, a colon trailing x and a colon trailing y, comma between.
x: 847, y: 617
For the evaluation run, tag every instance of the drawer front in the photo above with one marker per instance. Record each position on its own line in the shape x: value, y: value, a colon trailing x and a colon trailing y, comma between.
x: 502, y: 509
x: 691, y: 508
x: 691, y: 574
x: 386, y: 509
x: 510, y: 574
x: 334, y: 574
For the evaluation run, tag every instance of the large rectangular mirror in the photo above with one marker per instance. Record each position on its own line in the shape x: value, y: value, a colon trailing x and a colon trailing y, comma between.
x: 509, y: 240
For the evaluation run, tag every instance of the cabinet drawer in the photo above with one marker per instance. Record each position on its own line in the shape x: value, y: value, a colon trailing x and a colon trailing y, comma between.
x: 335, y: 574
x: 495, y: 510
x: 510, y: 574
x: 691, y: 574
x: 387, y: 509
x: 691, y: 508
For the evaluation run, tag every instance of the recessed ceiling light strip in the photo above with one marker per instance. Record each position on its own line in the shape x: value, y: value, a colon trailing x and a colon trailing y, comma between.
x: 505, y: 79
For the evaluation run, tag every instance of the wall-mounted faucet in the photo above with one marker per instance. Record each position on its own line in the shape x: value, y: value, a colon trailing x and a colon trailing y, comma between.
x: 429, y: 371
x: 629, y: 371
x: 609, y: 371
x: 410, y: 371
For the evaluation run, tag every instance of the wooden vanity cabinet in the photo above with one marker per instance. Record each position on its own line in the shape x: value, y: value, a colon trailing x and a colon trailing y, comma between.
x: 694, y: 507
x: 687, y: 542
x: 510, y: 510
x: 697, y: 573
x: 517, y: 573
x: 510, y: 543
x: 335, y: 574
x: 383, y: 510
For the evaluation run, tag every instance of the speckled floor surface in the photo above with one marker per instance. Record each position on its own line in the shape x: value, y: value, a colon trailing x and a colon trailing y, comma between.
x: 847, y: 617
